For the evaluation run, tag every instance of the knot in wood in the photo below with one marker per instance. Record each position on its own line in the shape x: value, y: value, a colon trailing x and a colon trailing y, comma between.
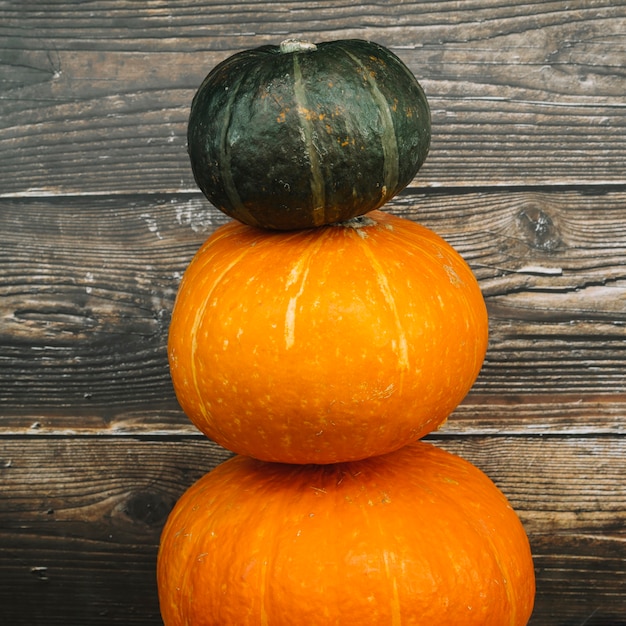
x: 539, y: 230
x: 147, y: 508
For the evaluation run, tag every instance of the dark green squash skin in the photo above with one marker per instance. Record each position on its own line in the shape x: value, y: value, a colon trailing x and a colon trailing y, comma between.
x: 299, y: 139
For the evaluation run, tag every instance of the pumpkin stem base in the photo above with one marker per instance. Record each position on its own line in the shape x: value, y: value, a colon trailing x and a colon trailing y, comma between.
x: 296, y: 45
x: 360, y: 221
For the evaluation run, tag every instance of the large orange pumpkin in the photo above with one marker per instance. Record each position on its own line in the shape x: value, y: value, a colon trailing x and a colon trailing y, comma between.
x: 415, y: 537
x: 325, y: 345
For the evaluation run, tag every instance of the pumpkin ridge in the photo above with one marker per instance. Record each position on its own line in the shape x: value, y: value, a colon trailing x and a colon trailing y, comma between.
x: 394, y: 597
x: 197, y: 320
x: 317, y: 181
x: 388, y: 139
x: 480, y: 529
x: 263, y: 593
x: 507, y: 579
x: 298, y: 273
x: 224, y: 164
x: 402, y: 349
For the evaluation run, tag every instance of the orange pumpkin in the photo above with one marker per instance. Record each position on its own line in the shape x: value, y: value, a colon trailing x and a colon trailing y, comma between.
x: 415, y: 537
x: 325, y: 345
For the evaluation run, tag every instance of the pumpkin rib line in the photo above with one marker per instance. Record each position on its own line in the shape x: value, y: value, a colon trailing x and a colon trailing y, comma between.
x: 298, y: 273
x: 394, y: 597
x: 225, y: 158
x: 388, y: 139
x: 383, y: 284
x: 318, y: 191
x: 477, y: 526
x: 197, y: 320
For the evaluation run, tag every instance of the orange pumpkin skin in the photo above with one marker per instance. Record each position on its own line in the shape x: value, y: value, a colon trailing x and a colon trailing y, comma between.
x: 415, y: 537
x: 325, y: 345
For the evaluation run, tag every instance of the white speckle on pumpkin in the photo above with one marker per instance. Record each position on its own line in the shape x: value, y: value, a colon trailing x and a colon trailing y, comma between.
x: 298, y: 274
x: 452, y: 276
x: 290, y: 322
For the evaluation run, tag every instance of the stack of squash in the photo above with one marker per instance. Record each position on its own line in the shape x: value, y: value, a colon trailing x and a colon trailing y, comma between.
x: 319, y: 338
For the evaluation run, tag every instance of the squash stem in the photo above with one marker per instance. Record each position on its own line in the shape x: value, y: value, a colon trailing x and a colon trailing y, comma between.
x: 360, y: 221
x: 296, y: 45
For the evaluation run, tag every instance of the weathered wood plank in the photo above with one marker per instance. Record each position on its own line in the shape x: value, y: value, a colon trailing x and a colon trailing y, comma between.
x: 87, y: 286
x: 99, y: 216
x: 80, y: 521
x: 94, y: 97
x: 81, y: 518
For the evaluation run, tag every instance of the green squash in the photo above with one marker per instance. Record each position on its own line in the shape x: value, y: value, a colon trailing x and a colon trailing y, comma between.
x: 302, y: 135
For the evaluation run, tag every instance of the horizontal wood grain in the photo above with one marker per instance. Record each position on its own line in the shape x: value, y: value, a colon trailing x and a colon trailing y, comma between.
x: 94, y: 97
x: 80, y: 521
x: 99, y: 216
x: 87, y: 285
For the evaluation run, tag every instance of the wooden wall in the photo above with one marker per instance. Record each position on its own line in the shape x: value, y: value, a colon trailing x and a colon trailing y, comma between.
x: 99, y: 216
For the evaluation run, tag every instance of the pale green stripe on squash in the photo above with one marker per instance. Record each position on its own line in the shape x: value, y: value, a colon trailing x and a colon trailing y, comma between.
x: 225, y: 158
x: 389, y: 142
x: 318, y: 192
